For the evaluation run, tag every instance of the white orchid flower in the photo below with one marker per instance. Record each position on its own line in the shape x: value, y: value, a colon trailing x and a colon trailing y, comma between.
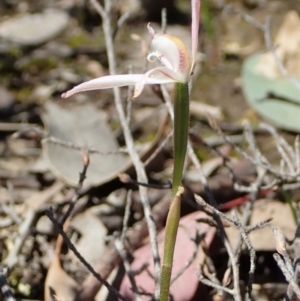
x: 176, y: 62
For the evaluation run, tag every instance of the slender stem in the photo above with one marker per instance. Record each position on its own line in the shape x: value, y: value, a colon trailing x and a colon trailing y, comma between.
x: 181, y: 127
x: 169, y: 245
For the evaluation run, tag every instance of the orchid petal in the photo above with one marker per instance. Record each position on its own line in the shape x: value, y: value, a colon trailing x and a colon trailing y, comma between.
x: 171, y: 52
x: 195, y: 6
x: 151, y: 31
x: 105, y: 82
x: 159, y: 75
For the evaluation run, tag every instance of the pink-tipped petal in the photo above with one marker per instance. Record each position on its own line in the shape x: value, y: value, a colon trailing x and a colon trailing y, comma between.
x: 195, y: 6
x: 151, y: 31
x: 159, y: 75
x: 105, y: 82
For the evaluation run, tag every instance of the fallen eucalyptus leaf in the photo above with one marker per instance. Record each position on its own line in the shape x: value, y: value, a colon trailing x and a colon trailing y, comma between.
x: 83, y: 126
x: 276, y: 99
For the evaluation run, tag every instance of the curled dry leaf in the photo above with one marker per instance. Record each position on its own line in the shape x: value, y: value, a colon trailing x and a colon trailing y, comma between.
x: 59, y: 285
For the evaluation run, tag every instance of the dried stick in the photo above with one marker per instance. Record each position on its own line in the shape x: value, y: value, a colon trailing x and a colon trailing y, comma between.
x: 126, y: 215
x: 82, y: 176
x: 289, y: 278
x: 5, y: 288
x: 290, y: 272
x: 91, y: 150
x: 287, y: 153
x: 141, y: 174
x: 123, y: 254
x: 245, y: 220
x: 214, y: 285
x: 212, y: 273
x: 120, y: 246
x: 251, y: 251
x: 129, y: 101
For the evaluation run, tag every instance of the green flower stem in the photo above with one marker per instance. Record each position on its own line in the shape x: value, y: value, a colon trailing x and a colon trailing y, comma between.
x: 169, y: 245
x: 181, y: 126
